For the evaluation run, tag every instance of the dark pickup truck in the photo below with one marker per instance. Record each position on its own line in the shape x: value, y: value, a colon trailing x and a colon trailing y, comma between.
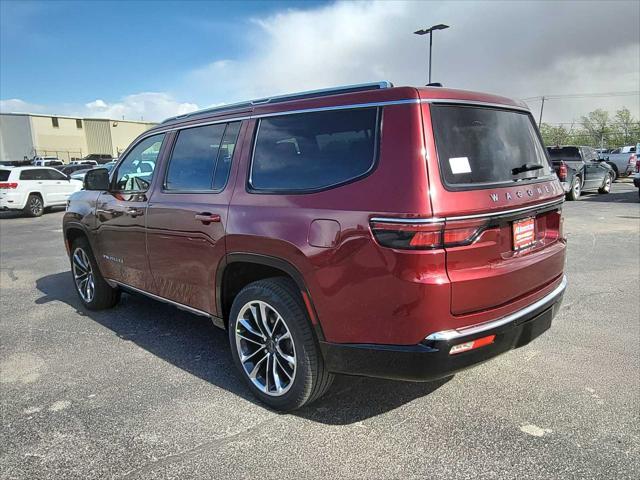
x: 579, y: 169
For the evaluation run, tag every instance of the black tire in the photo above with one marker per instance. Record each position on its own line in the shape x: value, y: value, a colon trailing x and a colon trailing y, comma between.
x: 576, y: 189
x: 606, y: 184
x: 310, y: 379
x: 34, y: 206
x: 104, y: 296
x: 614, y: 167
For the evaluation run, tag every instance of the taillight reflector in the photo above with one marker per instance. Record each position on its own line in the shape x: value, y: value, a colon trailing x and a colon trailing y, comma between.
x: 477, y: 343
x: 6, y: 185
x: 423, y: 236
x: 562, y: 172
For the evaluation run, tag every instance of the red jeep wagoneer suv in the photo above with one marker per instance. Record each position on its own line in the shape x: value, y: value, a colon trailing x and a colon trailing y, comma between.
x: 404, y: 233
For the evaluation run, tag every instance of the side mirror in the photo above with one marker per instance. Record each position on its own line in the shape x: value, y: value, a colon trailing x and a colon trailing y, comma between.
x: 96, y: 179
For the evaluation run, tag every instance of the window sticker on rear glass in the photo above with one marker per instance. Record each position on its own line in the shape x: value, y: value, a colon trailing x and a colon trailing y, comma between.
x: 459, y: 165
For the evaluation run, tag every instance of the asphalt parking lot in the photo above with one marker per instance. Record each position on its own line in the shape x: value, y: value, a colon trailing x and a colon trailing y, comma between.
x: 148, y: 391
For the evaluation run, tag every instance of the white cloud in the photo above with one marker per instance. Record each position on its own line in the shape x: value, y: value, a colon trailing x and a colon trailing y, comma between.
x: 16, y: 105
x: 515, y: 49
x: 148, y: 106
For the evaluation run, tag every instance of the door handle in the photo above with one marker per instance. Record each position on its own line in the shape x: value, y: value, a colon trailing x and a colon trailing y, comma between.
x: 134, y: 212
x: 207, y: 218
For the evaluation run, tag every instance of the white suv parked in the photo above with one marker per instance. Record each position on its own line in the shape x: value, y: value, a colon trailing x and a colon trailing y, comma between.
x: 32, y: 189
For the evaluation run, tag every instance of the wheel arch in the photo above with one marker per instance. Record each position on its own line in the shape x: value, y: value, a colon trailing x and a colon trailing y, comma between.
x: 233, y: 275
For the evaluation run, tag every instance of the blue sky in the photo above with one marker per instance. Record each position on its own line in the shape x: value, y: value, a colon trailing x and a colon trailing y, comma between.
x: 69, y: 51
x: 154, y: 59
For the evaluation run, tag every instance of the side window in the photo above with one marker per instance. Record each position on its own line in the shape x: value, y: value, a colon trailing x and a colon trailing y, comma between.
x: 193, y: 159
x: 34, y: 174
x: 201, y: 157
x: 136, y: 170
x: 311, y: 151
x: 55, y: 175
x: 225, y: 154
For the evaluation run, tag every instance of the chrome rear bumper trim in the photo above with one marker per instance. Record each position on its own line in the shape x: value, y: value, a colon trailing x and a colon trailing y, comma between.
x: 482, y: 327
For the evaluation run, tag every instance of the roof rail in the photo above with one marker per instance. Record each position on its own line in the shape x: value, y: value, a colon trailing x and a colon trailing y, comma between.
x: 285, y: 98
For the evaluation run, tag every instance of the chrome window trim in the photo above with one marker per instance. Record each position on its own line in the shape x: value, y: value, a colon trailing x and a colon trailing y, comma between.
x: 467, y: 217
x: 285, y: 112
x: 448, y: 335
x: 475, y: 103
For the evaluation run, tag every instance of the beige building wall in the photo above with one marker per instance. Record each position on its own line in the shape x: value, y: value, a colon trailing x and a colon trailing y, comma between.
x: 123, y: 133
x: 98, y: 136
x: 66, y: 140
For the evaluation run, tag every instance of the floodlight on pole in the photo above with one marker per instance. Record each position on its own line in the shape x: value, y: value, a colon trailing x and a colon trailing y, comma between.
x: 430, y: 31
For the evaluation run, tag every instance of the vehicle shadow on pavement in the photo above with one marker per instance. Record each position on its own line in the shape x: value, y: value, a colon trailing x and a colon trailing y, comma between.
x: 613, y: 197
x: 195, y: 345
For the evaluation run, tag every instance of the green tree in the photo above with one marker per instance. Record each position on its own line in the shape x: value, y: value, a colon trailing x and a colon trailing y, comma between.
x: 597, y: 126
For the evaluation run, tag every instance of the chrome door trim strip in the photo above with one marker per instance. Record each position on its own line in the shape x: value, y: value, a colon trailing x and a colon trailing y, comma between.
x: 159, y: 298
x: 467, y: 217
x: 448, y: 335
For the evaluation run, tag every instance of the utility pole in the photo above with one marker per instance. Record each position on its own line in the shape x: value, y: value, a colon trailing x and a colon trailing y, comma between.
x: 429, y: 31
x: 541, y: 109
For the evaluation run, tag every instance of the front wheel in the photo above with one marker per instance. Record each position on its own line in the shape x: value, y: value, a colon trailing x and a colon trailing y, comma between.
x: 274, y: 347
x: 606, y: 185
x: 94, y: 292
x: 576, y: 189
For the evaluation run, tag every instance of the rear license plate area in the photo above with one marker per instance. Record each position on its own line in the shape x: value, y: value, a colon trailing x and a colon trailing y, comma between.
x: 524, y: 233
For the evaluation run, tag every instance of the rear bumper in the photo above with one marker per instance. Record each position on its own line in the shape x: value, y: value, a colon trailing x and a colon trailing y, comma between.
x: 566, y: 186
x: 431, y: 360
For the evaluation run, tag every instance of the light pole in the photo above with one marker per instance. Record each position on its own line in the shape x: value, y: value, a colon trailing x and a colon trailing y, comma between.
x: 430, y: 31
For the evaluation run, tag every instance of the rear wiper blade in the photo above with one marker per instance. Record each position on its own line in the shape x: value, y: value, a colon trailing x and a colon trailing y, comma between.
x: 527, y: 167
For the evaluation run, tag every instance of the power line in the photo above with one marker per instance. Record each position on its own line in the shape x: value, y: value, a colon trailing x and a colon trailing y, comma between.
x: 584, y: 95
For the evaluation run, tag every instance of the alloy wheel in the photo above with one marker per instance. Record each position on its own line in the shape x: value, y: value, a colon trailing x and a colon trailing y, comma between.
x: 83, y: 275
x: 607, y: 183
x: 35, y: 206
x: 576, y: 188
x: 265, y: 348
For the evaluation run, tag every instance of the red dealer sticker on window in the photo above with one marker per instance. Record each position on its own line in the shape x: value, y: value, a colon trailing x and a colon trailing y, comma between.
x: 524, y: 233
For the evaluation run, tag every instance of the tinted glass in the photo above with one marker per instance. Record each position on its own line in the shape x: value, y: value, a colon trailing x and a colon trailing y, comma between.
x: 136, y: 170
x: 55, y: 175
x: 4, y: 175
x: 564, y: 153
x: 483, y: 146
x: 35, y: 174
x: 225, y: 154
x: 194, y: 157
x: 314, y: 150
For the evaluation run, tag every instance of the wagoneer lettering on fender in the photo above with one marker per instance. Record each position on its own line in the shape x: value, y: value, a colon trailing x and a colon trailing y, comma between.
x: 404, y: 233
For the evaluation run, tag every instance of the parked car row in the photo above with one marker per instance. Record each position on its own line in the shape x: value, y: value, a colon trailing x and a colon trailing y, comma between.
x: 578, y: 168
x: 622, y: 160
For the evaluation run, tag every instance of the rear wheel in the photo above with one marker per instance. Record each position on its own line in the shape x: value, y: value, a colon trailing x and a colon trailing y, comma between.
x: 606, y: 185
x: 34, y: 206
x: 273, y: 345
x: 614, y: 167
x: 576, y: 189
x: 94, y: 292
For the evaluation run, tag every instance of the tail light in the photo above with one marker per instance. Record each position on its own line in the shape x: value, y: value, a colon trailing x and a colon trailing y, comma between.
x: 8, y: 185
x: 562, y: 172
x: 638, y: 165
x: 426, y: 236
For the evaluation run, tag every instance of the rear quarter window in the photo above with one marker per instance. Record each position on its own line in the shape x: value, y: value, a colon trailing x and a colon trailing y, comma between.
x: 482, y: 146
x: 4, y: 175
x: 313, y: 151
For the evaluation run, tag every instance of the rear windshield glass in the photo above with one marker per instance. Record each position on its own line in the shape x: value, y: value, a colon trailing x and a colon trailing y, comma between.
x: 4, y: 175
x: 480, y: 145
x: 564, y: 153
x: 311, y: 151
